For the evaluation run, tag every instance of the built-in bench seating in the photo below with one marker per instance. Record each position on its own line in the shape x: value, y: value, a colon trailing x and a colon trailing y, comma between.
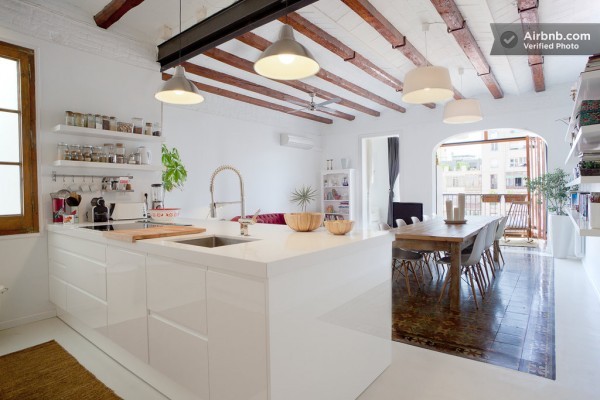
x: 273, y: 218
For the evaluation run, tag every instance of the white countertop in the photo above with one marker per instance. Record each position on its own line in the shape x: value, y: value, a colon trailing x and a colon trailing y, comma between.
x: 271, y: 250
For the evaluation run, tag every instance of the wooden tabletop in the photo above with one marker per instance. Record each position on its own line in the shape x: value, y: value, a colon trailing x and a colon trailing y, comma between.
x: 437, y: 230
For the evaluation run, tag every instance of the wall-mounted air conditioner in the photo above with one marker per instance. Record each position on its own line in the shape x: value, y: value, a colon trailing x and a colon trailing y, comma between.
x: 299, y: 142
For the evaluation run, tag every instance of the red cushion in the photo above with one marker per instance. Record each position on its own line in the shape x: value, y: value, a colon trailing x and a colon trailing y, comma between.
x: 274, y: 218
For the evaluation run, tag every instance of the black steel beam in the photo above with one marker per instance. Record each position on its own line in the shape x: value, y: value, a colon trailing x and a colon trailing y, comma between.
x: 237, y: 19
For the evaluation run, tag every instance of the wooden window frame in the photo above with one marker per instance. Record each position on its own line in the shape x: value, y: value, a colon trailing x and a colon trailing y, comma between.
x: 28, y: 221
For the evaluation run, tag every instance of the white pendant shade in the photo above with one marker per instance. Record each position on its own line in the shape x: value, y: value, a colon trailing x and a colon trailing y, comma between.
x: 179, y: 90
x: 286, y: 59
x: 462, y: 111
x: 427, y: 85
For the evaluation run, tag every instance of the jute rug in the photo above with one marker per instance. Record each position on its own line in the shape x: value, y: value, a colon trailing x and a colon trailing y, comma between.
x: 48, y: 372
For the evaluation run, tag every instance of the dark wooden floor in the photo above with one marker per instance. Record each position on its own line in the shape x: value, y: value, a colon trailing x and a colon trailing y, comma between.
x: 513, y: 327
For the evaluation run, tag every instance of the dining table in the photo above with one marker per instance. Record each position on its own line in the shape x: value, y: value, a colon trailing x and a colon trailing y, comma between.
x: 437, y: 235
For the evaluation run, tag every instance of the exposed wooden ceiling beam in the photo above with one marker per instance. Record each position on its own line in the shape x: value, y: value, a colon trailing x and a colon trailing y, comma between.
x: 529, y: 19
x: 457, y: 26
x: 251, y: 100
x: 240, y: 17
x: 248, y: 66
x: 113, y: 11
x: 261, y: 44
x: 318, y: 35
x: 254, y: 87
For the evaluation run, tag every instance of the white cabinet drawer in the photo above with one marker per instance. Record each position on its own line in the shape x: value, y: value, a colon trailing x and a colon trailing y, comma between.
x: 86, y: 248
x: 180, y: 355
x: 89, y: 310
x: 58, y: 292
x: 81, y: 272
x: 126, y: 293
x: 177, y: 292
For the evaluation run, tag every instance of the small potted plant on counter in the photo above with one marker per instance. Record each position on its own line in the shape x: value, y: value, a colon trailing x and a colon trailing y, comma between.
x: 552, y: 187
x: 304, y: 221
x: 174, y: 176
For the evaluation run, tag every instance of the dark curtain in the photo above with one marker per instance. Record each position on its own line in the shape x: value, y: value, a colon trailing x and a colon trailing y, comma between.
x: 394, y: 168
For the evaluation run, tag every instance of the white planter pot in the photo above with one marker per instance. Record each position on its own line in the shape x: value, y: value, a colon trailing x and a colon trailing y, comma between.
x: 560, y: 232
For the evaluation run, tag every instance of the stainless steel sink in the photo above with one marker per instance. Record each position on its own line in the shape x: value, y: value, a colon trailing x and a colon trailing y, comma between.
x: 214, y: 241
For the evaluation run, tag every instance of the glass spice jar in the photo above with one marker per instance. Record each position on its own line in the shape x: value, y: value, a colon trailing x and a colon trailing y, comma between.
x: 75, y: 150
x: 98, y: 119
x: 96, y: 153
x: 91, y: 121
x: 120, y: 153
x: 156, y: 129
x: 138, y: 125
x: 109, y: 151
x: 79, y: 120
x: 63, y: 151
x: 86, y: 152
x: 69, y: 118
x: 148, y: 129
x: 112, y: 123
x: 105, y: 123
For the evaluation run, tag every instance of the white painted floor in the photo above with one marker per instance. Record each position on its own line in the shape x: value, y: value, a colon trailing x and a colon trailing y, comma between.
x: 415, y: 373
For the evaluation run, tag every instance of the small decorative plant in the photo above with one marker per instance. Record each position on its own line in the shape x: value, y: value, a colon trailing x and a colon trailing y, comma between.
x: 174, y: 174
x: 303, y: 196
x: 552, y: 186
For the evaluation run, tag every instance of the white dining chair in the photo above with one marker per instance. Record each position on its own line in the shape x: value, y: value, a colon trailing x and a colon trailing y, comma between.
x: 426, y: 218
x: 404, y: 261
x: 415, y: 220
x: 401, y: 222
x: 489, y: 242
x: 468, y: 263
x: 499, y: 234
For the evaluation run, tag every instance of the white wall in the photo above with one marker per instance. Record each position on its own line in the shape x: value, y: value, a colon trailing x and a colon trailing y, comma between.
x: 80, y: 67
x: 270, y: 171
x: 422, y: 129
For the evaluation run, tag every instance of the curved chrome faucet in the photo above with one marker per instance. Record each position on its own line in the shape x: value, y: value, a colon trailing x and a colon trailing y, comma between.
x: 213, y: 204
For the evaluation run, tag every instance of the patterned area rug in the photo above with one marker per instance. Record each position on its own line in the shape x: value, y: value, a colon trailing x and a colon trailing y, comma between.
x: 513, y: 327
x: 48, y: 372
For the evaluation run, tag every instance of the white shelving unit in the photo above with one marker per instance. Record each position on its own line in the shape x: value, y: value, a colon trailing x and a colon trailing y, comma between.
x: 584, y: 180
x: 337, y: 198
x: 101, y: 133
x: 92, y: 165
x: 582, y: 226
x: 588, y: 138
x: 588, y: 87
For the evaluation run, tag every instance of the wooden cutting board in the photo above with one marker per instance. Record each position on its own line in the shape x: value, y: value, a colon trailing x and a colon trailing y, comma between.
x: 131, y: 235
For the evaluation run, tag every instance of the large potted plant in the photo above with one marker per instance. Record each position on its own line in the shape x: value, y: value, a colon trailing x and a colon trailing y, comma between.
x: 304, y: 221
x: 552, y: 188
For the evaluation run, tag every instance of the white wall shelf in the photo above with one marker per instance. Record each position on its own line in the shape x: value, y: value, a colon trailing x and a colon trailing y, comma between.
x: 581, y: 225
x: 101, y: 133
x: 588, y: 138
x: 588, y: 87
x: 92, y: 165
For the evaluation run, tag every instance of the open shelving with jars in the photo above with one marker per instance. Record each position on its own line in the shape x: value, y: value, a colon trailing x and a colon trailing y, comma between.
x: 106, y: 134
x: 104, y: 165
x: 337, y: 199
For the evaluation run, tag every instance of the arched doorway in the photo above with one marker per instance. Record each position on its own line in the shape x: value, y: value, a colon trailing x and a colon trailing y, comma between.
x: 492, y: 167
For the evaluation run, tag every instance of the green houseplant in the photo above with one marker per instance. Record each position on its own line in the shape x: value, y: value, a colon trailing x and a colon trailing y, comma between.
x: 303, y: 196
x: 304, y: 221
x: 174, y: 173
x: 552, y: 187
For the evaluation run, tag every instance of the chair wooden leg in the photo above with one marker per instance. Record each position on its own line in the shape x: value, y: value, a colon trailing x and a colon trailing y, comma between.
x: 492, y: 262
x: 427, y: 259
x: 406, y: 279
x: 446, y: 280
x: 415, y: 272
x: 501, y: 256
x: 479, y: 282
x: 487, y: 282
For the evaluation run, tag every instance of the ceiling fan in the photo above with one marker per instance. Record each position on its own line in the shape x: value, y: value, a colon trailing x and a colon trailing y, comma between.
x: 312, y: 106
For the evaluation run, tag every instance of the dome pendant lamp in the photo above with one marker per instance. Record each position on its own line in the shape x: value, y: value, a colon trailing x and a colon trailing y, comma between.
x: 428, y: 84
x: 179, y: 89
x: 286, y: 59
x: 462, y: 111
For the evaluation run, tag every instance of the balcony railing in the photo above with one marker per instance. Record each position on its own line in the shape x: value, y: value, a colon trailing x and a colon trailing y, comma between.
x: 486, y: 204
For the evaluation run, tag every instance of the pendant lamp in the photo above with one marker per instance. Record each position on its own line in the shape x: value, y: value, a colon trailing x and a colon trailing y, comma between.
x: 286, y: 59
x: 428, y: 84
x: 179, y: 89
x: 463, y: 111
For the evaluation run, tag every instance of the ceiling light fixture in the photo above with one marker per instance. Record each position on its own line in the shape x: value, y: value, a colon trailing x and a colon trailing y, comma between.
x: 428, y: 84
x: 462, y: 111
x: 179, y: 89
x: 286, y: 59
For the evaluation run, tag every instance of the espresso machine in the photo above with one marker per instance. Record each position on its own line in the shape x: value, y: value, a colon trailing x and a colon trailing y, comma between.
x: 157, y: 196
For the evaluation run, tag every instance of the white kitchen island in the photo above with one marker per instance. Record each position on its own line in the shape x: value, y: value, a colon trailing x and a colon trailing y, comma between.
x: 285, y: 316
